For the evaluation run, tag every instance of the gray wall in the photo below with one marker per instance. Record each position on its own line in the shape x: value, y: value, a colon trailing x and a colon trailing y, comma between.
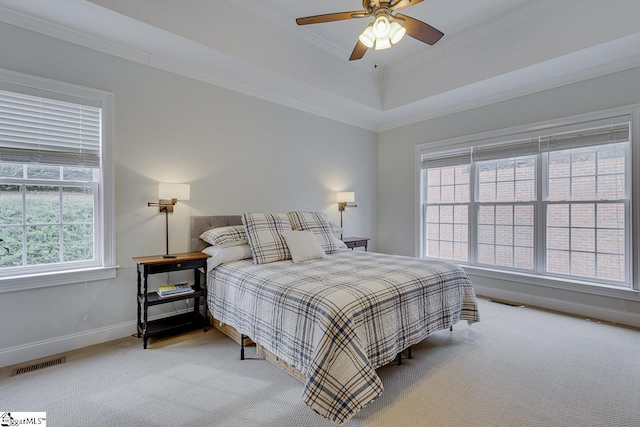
x: 239, y: 154
x: 396, y: 180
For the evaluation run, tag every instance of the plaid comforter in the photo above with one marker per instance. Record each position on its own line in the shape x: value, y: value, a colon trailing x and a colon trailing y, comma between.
x: 339, y: 318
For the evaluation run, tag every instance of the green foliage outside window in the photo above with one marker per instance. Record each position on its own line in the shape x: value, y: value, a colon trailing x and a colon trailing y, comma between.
x: 58, y: 224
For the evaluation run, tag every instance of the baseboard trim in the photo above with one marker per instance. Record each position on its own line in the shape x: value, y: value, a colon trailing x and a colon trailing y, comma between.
x: 588, y: 311
x: 45, y: 348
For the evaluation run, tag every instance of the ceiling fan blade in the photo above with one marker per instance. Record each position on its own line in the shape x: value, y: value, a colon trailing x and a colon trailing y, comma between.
x: 419, y: 30
x: 401, y: 4
x: 331, y: 17
x: 358, y: 51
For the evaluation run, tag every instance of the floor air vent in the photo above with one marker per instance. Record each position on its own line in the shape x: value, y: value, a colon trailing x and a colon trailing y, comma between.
x: 38, y: 366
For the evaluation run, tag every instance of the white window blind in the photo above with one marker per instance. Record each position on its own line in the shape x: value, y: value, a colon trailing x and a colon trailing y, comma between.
x: 609, y: 134
x: 446, y: 158
x: 597, y: 132
x: 505, y: 150
x: 48, y: 131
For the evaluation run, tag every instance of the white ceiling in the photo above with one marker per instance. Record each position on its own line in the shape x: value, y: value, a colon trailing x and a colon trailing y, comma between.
x: 492, y: 49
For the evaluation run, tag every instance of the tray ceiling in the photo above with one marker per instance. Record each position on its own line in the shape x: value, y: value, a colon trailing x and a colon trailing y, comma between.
x: 492, y: 50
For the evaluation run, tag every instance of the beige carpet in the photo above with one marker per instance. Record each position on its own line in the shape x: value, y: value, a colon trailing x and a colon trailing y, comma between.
x: 518, y: 367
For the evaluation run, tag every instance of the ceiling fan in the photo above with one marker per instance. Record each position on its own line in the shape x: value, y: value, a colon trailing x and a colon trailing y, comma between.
x: 385, y: 30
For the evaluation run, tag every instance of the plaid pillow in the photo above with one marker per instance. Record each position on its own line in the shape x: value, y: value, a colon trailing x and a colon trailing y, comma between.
x: 319, y: 224
x: 263, y: 231
x: 233, y: 235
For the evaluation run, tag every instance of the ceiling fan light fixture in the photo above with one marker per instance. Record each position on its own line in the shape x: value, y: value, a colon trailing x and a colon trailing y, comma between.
x: 367, y: 37
x: 396, y: 32
x: 381, y: 27
x: 383, y: 43
x: 388, y: 26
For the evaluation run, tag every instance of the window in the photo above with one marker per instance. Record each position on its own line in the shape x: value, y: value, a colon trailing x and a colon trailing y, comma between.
x: 586, y: 212
x: 55, y: 178
x: 447, y: 207
x: 553, y: 203
x: 506, y: 196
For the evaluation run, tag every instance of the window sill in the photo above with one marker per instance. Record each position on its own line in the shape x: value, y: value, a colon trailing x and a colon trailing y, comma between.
x: 556, y: 283
x: 44, y: 280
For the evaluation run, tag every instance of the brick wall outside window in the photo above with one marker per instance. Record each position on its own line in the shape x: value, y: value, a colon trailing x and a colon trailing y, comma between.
x: 447, y: 216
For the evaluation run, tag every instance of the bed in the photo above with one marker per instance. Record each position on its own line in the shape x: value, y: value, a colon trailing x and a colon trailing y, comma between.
x: 336, y: 319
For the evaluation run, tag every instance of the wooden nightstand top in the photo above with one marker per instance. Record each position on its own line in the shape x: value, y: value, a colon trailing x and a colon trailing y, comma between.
x: 159, y: 259
x: 348, y: 240
x: 356, y: 242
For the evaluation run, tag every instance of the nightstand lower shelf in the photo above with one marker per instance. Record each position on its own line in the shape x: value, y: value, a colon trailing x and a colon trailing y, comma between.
x: 173, y: 324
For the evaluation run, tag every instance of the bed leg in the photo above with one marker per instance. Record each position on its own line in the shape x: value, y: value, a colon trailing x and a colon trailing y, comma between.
x: 242, y: 337
x: 451, y: 328
x: 399, y: 359
x: 409, y: 354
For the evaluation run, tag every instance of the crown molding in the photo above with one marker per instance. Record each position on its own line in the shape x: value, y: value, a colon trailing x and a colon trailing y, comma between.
x: 255, y: 91
x: 51, y: 29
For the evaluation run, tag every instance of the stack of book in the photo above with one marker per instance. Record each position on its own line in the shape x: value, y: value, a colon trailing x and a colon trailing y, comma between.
x: 174, y: 290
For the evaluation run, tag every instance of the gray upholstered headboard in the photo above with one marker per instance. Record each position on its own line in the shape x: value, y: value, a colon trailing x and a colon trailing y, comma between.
x: 200, y: 224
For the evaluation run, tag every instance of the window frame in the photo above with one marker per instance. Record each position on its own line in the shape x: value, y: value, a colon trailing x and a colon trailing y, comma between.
x: 538, y: 277
x: 476, y: 204
x: 29, y: 278
x: 628, y: 202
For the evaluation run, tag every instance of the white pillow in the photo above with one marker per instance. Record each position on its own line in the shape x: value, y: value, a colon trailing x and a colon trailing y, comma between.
x: 303, y: 245
x: 318, y: 223
x: 220, y: 255
x: 339, y: 243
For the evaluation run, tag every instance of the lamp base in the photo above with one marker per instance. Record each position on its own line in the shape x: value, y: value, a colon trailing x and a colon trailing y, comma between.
x: 168, y: 256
